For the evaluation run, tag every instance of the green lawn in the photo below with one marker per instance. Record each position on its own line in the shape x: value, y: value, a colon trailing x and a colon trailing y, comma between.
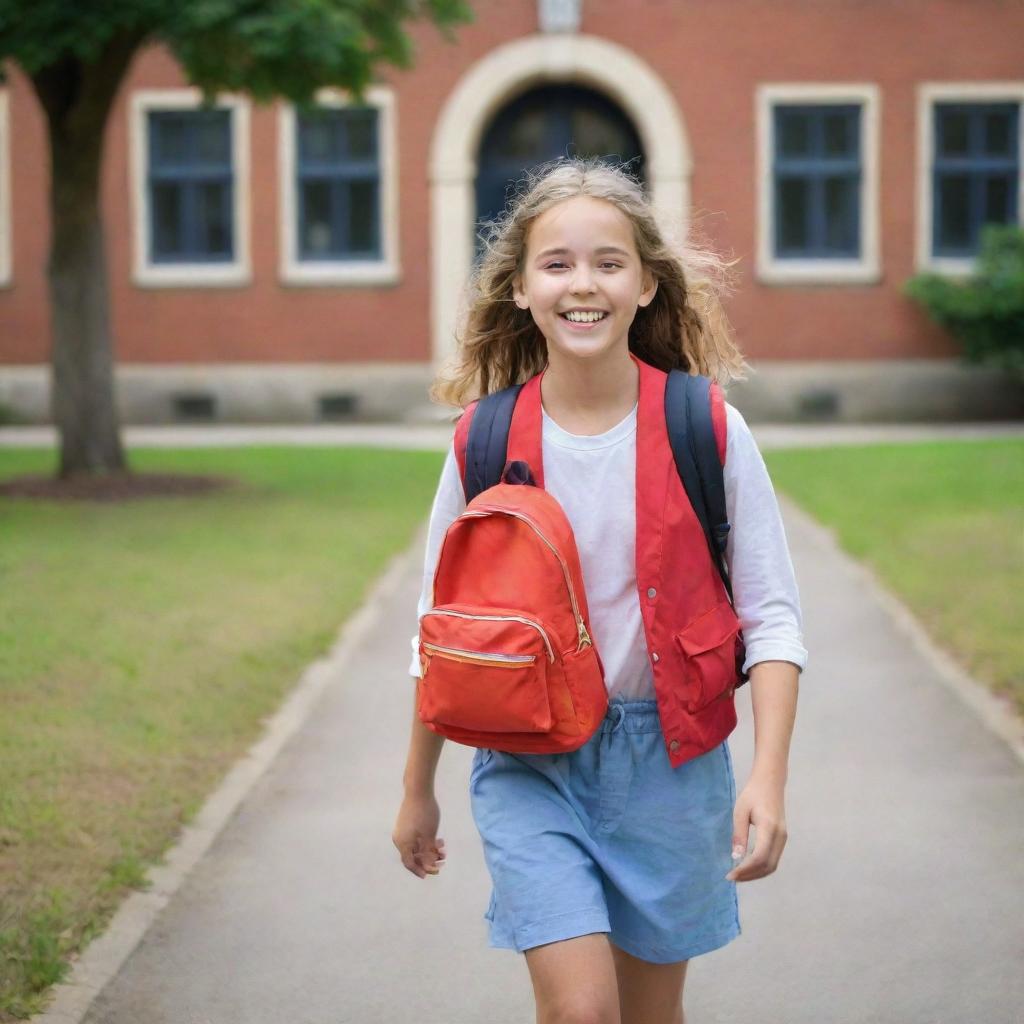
x: 942, y: 524
x: 141, y: 647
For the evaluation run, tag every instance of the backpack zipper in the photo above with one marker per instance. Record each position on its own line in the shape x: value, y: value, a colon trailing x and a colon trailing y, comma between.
x: 505, y: 660
x: 499, y: 618
x: 486, y: 510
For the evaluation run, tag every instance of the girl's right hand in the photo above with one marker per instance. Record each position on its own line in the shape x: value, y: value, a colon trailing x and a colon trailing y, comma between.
x: 414, y: 835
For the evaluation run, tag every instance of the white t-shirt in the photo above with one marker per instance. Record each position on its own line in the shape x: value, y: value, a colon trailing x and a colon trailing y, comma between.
x: 594, y: 479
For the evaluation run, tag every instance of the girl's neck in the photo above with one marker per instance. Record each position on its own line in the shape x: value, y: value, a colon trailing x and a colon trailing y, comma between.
x: 590, y: 397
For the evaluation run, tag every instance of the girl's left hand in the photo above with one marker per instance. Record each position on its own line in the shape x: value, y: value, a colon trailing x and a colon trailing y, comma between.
x: 759, y: 804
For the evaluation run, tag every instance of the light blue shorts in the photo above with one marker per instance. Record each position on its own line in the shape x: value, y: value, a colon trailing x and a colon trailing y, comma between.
x: 609, y: 838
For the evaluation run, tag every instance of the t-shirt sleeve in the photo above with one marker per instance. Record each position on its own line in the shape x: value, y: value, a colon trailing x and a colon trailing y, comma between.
x: 449, y: 503
x: 764, y: 585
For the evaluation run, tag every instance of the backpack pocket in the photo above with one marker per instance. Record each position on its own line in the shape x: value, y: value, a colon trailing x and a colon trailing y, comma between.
x: 485, y: 669
x: 708, y: 645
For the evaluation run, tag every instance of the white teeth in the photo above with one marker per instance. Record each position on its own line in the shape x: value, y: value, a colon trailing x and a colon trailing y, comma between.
x: 584, y: 318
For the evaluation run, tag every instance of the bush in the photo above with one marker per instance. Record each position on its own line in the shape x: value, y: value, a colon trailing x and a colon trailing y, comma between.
x: 985, y: 312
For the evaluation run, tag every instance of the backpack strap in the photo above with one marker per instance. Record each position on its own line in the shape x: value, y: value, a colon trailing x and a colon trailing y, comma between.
x: 695, y: 421
x: 486, y: 440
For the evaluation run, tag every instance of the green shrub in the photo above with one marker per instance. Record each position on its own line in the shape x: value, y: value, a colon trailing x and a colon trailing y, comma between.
x: 985, y: 312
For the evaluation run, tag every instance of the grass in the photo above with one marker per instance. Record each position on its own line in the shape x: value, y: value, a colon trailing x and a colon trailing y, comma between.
x: 142, y: 645
x: 942, y: 525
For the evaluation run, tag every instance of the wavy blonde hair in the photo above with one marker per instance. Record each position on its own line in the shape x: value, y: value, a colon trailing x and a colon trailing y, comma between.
x: 684, y: 326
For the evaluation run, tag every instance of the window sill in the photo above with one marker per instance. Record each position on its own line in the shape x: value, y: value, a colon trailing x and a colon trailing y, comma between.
x: 341, y: 274
x: 192, y: 275
x: 794, y: 272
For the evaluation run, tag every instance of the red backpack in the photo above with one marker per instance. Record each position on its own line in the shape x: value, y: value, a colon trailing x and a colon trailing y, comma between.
x: 507, y: 660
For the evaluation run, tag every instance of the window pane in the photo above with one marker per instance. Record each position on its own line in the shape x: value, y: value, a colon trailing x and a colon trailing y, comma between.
x: 794, y: 133
x: 524, y: 142
x: 213, y: 137
x: 167, y: 219
x: 214, y: 219
x: 362, y: 134
x: 320, y: 136
x: 170, y: 142
x: 362, y: 207
x: 997, y: 200
x: 840, y: 214
x: 315, y: 219
x: 793, y: 207
x: 954, y: 211
x: 595, y: 135
x: 839, y: 135
x: 954, y: 133
x: 997, y: 133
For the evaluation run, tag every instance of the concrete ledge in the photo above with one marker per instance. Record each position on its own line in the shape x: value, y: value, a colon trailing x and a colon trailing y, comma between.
x: 872, y: 391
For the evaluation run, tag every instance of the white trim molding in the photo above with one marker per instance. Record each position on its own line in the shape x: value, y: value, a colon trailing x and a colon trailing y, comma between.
x: 495, y: 80
x: 147, y: 274
x: 6, y: 223
x: 928, y: 94
x: 867, y: 268
x: 385, y: 271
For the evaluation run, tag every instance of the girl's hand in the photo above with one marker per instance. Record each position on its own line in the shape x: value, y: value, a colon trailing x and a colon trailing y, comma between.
x: 414, y: 835
x: 759, y: 804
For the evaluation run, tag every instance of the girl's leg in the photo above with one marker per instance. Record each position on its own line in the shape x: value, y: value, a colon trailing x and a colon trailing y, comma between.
x: 574, y: 981
x: 649, y: 993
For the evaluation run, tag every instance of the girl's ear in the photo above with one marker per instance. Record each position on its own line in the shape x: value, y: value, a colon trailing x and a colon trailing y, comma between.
x: 518, y: 294
x: 650, y: 289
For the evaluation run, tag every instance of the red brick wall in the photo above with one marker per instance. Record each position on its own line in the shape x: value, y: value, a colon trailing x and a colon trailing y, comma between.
x: 711, y: 53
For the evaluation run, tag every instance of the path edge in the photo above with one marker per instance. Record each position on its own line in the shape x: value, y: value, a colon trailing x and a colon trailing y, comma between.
x: 996, y: 714
x: 103, y: 958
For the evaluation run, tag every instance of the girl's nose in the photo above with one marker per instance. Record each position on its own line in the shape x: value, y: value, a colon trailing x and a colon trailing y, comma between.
x: 582, y: 281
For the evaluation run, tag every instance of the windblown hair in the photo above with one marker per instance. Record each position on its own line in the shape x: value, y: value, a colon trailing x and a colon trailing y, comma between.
x: 684, y: 326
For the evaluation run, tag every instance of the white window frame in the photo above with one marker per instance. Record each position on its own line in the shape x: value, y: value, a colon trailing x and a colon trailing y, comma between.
x: 928, y: 94
x: 147, y: 274
x: 865, y: 270
x: 356, y: 273
x: 6, y: 224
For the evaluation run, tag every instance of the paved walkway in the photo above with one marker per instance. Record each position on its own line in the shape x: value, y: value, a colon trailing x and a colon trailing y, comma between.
x: 428, y: 435
x: 898, y: 899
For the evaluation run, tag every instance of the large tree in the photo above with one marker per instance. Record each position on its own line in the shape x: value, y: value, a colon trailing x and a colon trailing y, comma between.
x: 76, y: 53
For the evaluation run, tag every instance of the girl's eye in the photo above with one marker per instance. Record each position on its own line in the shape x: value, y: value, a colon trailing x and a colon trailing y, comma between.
x: 558, y: 263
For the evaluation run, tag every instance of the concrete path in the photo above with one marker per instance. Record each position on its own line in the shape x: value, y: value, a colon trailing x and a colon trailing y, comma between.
x: 438, y: 435
x: 899, y: 898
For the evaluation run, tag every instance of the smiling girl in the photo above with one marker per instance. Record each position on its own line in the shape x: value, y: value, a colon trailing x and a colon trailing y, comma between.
x: 614, y: 864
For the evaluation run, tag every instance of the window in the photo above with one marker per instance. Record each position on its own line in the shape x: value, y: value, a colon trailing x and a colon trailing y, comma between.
x: 970, y: 173
x: 5, y: 191
x: 190, y: 172
x: 338, y: 182
x: 817, y: 184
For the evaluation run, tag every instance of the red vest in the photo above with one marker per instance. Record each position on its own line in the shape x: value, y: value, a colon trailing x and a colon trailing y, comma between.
x: 689, y: 625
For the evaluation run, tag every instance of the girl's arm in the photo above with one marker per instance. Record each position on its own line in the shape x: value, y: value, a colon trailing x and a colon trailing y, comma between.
x: 415, y: 831
x: 768, y: 605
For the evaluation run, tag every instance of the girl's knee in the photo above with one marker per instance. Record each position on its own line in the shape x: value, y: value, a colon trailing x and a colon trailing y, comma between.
x: 579, y: 1008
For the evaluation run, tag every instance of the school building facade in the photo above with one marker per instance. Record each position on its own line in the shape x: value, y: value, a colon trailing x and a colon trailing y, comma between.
x: 267, y: 263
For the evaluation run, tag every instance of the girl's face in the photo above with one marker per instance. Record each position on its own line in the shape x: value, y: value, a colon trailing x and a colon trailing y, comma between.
x: 580, y: 255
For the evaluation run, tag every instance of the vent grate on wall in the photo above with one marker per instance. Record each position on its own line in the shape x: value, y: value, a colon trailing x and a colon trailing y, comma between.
x: 818, y: 405
x: 337, y: 405
x: 194, y: 407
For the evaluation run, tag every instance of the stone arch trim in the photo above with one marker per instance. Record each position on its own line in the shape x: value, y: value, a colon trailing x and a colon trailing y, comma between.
x: 489, y: 84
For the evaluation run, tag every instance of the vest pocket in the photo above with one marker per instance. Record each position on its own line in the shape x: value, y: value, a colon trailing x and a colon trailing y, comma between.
x: 708, y: 645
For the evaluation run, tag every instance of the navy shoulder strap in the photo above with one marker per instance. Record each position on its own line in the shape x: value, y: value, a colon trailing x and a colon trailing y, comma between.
x: 487, y: 441
x: 691, y: 433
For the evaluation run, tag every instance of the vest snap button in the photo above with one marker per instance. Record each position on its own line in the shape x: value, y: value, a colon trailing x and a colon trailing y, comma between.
x: 651, y: 592
x: 674, y: 745
x: 655, y: 656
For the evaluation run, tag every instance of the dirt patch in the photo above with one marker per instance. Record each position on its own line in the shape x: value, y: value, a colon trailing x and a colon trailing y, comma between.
x: 114, y: 487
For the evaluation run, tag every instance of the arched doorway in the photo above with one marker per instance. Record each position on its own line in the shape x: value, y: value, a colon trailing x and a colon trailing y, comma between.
x: 544, y: 123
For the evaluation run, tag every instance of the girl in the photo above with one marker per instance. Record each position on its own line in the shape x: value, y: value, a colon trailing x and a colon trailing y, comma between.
x: 611, y: 867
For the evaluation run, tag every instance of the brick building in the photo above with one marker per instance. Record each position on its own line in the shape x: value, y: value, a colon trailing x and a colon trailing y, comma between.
x: 266, y: 263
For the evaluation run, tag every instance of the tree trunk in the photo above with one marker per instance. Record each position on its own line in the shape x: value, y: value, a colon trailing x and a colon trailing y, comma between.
x: 77, y: 99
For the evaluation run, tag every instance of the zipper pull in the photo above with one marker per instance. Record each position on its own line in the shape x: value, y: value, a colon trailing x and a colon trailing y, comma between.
x: 584, y: 637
